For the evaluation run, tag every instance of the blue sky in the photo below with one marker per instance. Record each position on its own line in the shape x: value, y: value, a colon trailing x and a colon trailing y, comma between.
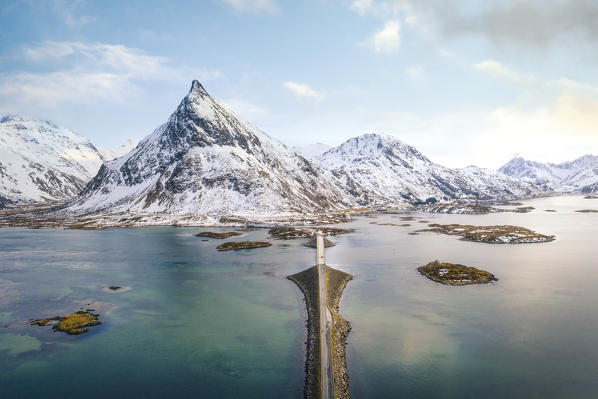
x: 466, y: 82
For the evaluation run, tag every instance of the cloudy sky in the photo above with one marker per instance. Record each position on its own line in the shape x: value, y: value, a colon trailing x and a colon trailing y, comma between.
x: 466, y: 82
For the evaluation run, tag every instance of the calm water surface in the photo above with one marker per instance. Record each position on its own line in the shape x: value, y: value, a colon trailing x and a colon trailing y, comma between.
x: 208, y: 324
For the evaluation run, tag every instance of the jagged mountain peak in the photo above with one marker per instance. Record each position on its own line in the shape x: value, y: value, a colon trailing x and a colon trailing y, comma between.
x: 207, y: 161
x: 197, y: 89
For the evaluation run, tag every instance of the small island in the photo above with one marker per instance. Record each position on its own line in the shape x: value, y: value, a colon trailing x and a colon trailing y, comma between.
x: 523, y: 209
x: 236, y: 245
x: 464, y: 209
x: 211, y: 234
x: 490, y: 234
x: 111, y: 289
x: 289, y: 233
x: 455, y: 274
x: 72, y: 324
x: 588, y: 211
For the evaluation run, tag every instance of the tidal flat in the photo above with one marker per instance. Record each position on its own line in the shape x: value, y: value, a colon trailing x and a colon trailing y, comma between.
x: 200, y: 322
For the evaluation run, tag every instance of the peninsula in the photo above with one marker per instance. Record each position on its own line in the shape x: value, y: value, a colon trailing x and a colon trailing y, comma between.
x: 325, y: 363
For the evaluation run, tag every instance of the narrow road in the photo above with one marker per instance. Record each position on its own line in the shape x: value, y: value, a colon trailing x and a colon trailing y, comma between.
x: 327, y: 387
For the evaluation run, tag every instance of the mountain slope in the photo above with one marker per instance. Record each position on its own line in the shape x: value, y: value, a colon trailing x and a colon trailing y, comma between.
x: 578, y: 176
x: 42, y: 162
x: 498, y: 185
x: 382, y: 170
x: 206, y: 161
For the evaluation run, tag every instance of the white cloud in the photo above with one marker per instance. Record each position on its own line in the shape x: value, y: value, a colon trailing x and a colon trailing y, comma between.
x: 303, y: 91
x: 268, y: 6
x: 88, y: 71
x: 495, y: 69
x: 387, y: 40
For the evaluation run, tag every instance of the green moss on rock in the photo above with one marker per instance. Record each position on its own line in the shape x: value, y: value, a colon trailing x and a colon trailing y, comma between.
x: 73, y: 324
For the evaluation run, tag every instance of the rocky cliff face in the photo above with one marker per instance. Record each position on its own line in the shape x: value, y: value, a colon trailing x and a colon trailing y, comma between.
x: 206, y: 161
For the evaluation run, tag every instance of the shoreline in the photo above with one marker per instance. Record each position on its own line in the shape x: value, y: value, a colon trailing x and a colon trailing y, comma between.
x: 307, y: 281
x: 336, y: 281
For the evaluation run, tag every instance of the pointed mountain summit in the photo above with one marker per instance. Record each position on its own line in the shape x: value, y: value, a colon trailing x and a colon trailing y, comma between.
x: 206, y: 161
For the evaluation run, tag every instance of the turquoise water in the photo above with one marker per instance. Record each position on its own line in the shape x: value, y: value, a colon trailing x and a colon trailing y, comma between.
x: 196, y: 323
x: 209, y: 324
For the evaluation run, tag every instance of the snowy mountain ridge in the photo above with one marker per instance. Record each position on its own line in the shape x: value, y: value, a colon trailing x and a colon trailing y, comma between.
x: 43, y: 162
x: 381, y: 169
x: 40, y: 161
x: 577, y: 176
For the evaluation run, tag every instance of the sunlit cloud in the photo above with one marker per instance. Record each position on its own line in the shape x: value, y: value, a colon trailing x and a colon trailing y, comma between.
x: 387, y: 40
x: 303, y: 91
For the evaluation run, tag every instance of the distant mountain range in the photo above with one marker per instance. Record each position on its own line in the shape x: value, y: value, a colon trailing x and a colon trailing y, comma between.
x: 578, y: 176
x: 382, y: 170
x: 206, y: 161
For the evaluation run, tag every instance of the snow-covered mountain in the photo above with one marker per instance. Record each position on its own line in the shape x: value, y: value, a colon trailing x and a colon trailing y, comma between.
x: 578, y: 176
x: 113, y: 153
x: 311, y: 151
x: 206, y: 161
x: 491, y: 183
x: 40, y: 161
x: 382, y: 170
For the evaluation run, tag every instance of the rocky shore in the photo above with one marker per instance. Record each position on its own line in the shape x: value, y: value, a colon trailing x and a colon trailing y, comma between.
x: 50, y: 216
x: 336, y: 283
x: 307, y: 281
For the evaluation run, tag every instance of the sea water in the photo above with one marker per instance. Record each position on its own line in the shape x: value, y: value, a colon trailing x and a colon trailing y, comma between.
x: 202, y: 323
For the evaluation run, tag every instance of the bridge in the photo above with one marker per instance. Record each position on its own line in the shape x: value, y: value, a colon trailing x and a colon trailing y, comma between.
x: 326, y: 320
